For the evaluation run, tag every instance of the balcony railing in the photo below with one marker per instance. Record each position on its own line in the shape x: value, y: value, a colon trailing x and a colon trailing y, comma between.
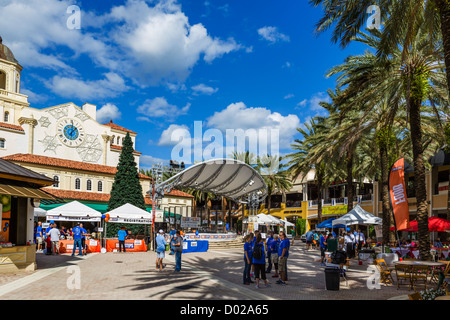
x: 340, y: 201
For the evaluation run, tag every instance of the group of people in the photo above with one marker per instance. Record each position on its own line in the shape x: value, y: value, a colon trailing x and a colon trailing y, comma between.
x: 50, y: 237
x: 275, y: 250
x: 175, y: 240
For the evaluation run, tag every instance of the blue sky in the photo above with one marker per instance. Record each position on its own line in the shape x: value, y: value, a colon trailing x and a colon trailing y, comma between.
x: 155, y: 66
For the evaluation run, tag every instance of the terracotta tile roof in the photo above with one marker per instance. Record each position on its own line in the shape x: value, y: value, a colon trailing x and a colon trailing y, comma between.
x: 113, y: 146
x: 62, y: 163
x: 176, y: 193
x: 83, y: 195
x: 117, y: 127
x: 11, y: 126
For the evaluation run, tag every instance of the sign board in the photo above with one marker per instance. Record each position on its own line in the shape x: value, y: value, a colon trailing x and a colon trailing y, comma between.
x: 379, y: 231
x: 334, y: 210
x: 45, y: 225
x: 68, y: 218
x: 190, y: 222
x: 159, y: 216
x: 100, y: 229
x: 131, y: 221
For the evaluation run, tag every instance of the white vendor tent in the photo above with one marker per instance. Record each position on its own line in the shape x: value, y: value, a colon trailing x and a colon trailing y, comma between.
x: 265, y: 219
x: 275, y: 220
x: 287, y: 223
x: 358, y: 216
x: 129, y: 213
x: 74, y: 211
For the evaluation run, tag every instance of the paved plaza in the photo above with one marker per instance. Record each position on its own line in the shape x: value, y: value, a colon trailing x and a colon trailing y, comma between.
x: 213, y: 275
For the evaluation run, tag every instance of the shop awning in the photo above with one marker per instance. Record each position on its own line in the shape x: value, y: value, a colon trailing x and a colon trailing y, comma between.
x: 25, y: 192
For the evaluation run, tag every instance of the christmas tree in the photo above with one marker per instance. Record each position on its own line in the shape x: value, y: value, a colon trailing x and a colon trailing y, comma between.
x: 126, y: 187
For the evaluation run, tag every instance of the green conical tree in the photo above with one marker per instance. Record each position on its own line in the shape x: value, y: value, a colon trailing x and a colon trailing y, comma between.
x: 126, y: 187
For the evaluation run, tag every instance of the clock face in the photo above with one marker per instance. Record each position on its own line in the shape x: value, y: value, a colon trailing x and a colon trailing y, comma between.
x: 70, y: 132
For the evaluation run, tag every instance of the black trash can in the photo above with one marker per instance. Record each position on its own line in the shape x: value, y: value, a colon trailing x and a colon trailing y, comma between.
x: 332, y: 278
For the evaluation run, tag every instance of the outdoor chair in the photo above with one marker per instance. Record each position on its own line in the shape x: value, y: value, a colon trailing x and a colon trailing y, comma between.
x: 440, y: 273
x: 419, y: 274
x: 403, y: 274
x: 385, y: 273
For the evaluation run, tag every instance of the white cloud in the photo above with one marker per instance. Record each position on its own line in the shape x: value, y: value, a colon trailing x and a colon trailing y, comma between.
x: 288, y: 96
x: 168, y: 137
x: 272, y: 34
x: 160, y: 108
x: 108, y: 112
x: 239, y: 116
x: 111, y: 86
x: 313, y: 103
x: 204, y: 89
x: 145, y: 160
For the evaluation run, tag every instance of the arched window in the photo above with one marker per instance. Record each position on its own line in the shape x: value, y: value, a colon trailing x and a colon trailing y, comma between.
x: 6, y: 117
x: 2, y: 80
x: 77, y: 184
x: 56, y: 184
x: 2, y: 143
x: 118, y: 141
x: 100, y: 186
x: 89, y: 185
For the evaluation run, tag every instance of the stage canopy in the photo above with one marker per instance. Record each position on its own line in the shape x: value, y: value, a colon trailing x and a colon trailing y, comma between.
x: 129, y: 213
x: 357, y: 216
x: 229, y: 178
x: 74, y: 211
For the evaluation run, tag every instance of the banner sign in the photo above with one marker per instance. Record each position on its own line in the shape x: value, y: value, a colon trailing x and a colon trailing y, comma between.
x: 68, y: 218
x: 190, y: 222
x: 397, y: 195
x: 334, y: 210
x: 211, y: 237
x: 131, y: 221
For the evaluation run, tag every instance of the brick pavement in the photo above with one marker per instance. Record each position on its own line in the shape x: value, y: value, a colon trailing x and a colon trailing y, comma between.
x: 211, y: 275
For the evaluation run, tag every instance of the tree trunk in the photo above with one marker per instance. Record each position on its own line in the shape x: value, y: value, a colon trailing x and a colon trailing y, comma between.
x: 448, y: 196
x: 387, y: 217
x: 444, y: 13
x: 419, y: 180
x: 269, y: 204
x: 349, y: 181
x: 319, y: 199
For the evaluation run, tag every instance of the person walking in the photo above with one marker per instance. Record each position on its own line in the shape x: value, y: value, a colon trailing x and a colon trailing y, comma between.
x: 54, y: 235
x: 283, y: 254
x: 77, y: 232
x: 172, y: 235
x: 273, y: 249
x: 160, y: 249
x: 360, y: 239
x: 178, y: 249
x: 323, y: 248
x: 269, y: 254
x: 349, y: 245
x: 39, y: 236
x: 259, y: 261
x: 83, y: 238
x: 248, y: 251
x: 122, y: 235
x: 309, y: 239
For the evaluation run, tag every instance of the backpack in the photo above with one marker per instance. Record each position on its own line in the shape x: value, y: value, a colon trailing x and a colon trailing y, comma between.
x: 257, y: 252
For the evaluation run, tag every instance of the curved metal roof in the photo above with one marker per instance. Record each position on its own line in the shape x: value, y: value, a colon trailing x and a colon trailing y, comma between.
x: 224, y: 177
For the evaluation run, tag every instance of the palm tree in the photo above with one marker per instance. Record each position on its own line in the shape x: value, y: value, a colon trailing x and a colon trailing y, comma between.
x: 274, y: 174
x: 412, y: 76
x: 403, y: 19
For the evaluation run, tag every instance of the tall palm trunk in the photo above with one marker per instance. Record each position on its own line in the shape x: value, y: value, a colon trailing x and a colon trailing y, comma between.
x: 386, y: 207
x: 419, y: 180
x: 319, y: 198
x: 448, y: 197
x: 444, y: 13
x: 269, y: 204
x: 350, y: 195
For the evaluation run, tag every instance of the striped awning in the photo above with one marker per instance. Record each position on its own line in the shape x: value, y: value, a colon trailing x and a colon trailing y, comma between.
x: 25, y: 192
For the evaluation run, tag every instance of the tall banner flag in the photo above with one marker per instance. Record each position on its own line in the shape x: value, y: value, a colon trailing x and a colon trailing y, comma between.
x: 397, y: 195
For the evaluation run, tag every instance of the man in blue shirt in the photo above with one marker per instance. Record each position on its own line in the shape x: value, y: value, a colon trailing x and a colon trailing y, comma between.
x: 323, y: 248
x: 122, y: 234
x: 273, y: 249
x: 160, y: 249
x: 39, y: 236
x: 172, y: 234
x: 83, y: 238
x: 269, y: 254
x: 77, y: 234
x: 309, y: 239
x: 283, y: 254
